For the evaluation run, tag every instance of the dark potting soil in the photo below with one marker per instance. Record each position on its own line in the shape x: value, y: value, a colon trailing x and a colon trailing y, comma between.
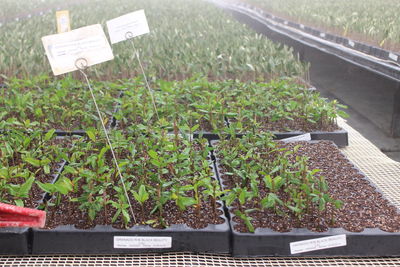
x: 363, y: 206
x: 68, y: 213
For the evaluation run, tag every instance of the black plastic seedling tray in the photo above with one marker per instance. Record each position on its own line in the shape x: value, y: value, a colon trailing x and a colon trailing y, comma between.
x: 14, y: 241
x: 207, y: 135
x: 266, y: 242
x: 339, y: 137
x: 303, y: 242
x: 70, y: 133
x: 104, y: 239
x: 139, y: 239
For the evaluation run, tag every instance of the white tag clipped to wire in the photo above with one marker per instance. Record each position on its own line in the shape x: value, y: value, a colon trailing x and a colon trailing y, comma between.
x: 302, y: 137
x: 88, y: 44
x: 127, y: 26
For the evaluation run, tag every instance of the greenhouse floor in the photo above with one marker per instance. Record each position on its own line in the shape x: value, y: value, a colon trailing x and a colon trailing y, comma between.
x: 363, y: 124
x: 382, y: 170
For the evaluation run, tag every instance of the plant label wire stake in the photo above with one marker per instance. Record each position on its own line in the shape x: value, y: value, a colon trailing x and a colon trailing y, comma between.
x: 129, y: 35
x: 82, y: 64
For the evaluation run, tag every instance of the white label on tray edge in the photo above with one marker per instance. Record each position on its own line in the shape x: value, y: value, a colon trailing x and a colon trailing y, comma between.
x: 351, y: 43
x: 322, y: 34
x: 302, y: 137
x: 318, y: 244
x: 393, y: 56
x: 142, y: 242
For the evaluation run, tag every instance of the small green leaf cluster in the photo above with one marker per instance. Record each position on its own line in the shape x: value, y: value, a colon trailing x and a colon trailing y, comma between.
x: 262, y: 175
x: 26, y: 160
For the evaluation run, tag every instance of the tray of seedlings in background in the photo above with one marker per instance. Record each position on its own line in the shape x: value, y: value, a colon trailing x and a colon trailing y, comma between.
x: 188, y: 102
x: 174, y: 194
x: 302, y: 198
x: 286, y: 109
x: 27, y: 160
x: 65, y: 105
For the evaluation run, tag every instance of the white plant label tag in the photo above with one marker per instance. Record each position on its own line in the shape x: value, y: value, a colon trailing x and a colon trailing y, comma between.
x: 301, y: 26
x: 142, y: 242
x: 286, y: 22
x: 318, y: 244
x: 127, y: 26
x: 351, y: 43
x: 84, y: 46
x: 393, y: 56
x: 322, y: 34
x: 302, y: 137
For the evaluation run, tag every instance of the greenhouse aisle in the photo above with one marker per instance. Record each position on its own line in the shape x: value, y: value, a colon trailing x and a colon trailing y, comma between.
x: 369, y: 95
x: 382, y: 170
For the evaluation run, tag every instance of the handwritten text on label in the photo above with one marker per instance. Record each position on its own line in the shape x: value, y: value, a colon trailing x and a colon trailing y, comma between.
x: 65, y: 49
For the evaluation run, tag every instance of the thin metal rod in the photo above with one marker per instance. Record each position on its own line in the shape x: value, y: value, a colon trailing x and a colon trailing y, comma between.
x: 109, y: 143
x: 145, y: 78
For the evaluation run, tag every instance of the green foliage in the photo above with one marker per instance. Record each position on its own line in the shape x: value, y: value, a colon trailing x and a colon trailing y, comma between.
x: 204, y: 39
x: 38, y: 103
x: 24, y: 159
x: 376, y: 20
x: 278, y: 178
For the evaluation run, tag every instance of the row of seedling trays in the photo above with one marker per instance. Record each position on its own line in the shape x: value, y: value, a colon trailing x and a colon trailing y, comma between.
x: 248, y: 196
x: 238, y: 191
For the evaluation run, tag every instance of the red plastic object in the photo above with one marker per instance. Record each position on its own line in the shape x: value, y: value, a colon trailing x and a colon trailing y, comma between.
x: 14, y: 216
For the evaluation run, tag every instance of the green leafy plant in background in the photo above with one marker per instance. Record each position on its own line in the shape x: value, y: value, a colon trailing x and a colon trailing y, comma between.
x: 370, y: 21
x: 204, y: 38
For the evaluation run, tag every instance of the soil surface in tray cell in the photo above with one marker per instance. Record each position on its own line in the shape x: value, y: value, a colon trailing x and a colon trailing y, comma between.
x: 363, y: 206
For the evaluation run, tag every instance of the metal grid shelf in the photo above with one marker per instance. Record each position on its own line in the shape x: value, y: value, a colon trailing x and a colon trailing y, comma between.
x: 368, y: 158
x: 188, y: 259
